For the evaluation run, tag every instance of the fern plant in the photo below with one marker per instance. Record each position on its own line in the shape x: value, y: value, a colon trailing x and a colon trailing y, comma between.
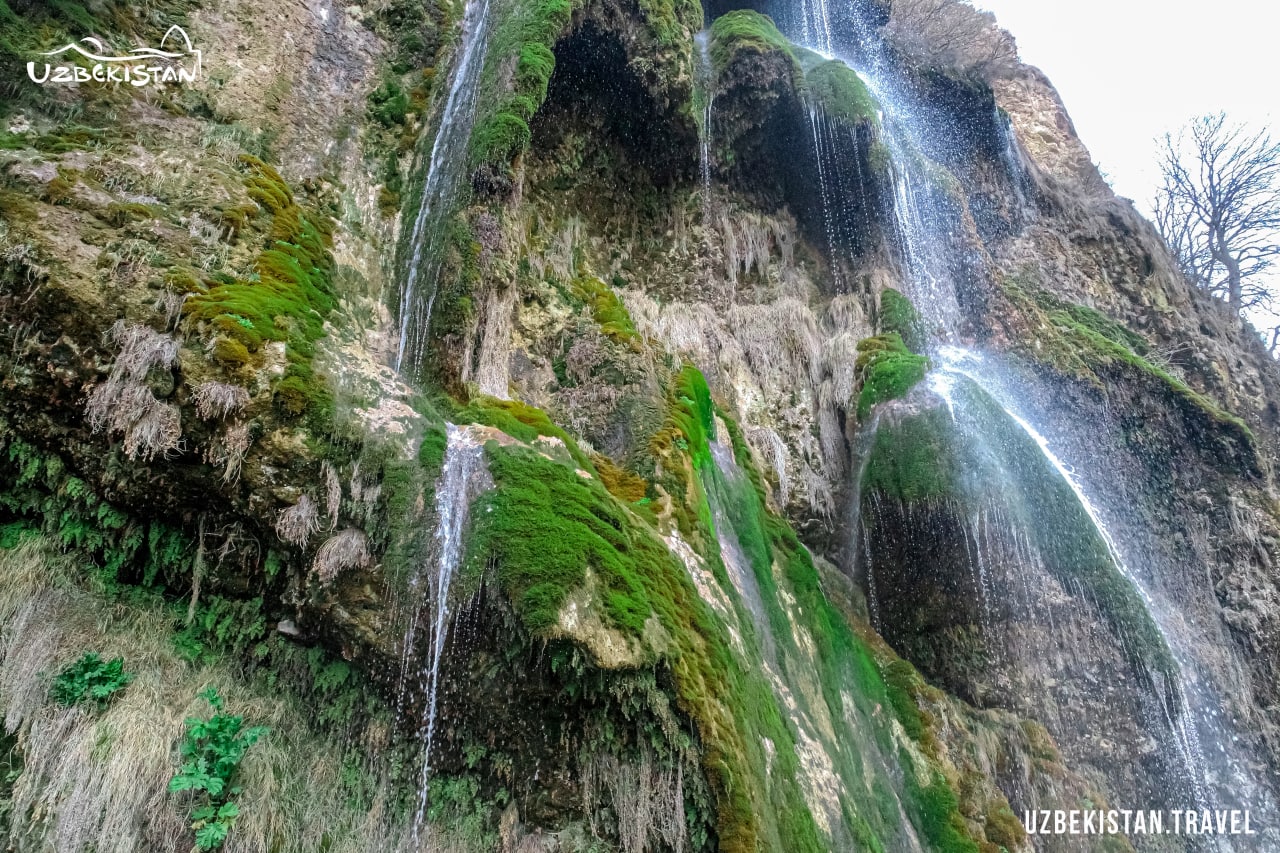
x: 90, y: 681
x: 212, y: 750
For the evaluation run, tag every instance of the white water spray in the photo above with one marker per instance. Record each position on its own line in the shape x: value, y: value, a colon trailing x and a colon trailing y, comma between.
x: 961, y: 362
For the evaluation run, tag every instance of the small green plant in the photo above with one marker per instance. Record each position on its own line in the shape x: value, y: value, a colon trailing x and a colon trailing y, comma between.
x: 211, y: 751
x: 90, y: 681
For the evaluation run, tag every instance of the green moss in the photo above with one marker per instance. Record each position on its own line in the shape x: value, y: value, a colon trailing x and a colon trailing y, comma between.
x: 689, y: 425
x: 897, y: 314
x: 1103, y: 350
x: 746, y: 31
x: 1102, y: 324
x: 671, y: 20
x: 607, y: 308
x: 538, y: 569
x: 543, y: 526
x: 521, y: 421
x: 432, y: 449
x: 288, y: 300
x: 1081, y: 342
x: 1004, y: 828
x: 121, y: 214
x: 912, y: 459
x: 901, y: 684
x: 619, y: 482
x: 840, y: 92
x: 938, y: 809
x: 502, y: 137
x: 526, y: 34
x: 979, y: 457
x: 888, y: 370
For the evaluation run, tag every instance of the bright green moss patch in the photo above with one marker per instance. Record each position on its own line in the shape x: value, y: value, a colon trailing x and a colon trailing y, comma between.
x: 607, y: 308
x: 912, y: 458
x: 521, y: 421
x: 745, y: 31
x: 287, y: 299
x: 888, y: 369
x: 527, y: 34
x: 840, y: 92
x: 897, y: 314
x: 545, y: 525
x: 688, y: 430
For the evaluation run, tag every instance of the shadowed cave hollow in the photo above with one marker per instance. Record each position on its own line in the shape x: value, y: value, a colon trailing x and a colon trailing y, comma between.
x: 594, y: 88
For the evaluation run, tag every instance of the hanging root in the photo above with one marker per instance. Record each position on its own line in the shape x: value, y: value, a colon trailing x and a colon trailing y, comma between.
x: 647, y: 801
x: 124, y: 403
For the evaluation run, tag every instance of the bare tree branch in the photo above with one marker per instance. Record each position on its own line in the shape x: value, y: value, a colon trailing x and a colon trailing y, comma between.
x: 1219, y: 208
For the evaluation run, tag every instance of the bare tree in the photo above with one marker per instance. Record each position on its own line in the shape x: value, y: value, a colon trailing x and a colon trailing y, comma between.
x: 952, y: 34
x: 1219, y: 208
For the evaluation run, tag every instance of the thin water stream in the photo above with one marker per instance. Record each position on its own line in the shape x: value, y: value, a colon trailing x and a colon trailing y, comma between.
x: 445, y: 168
x: 462, y: 478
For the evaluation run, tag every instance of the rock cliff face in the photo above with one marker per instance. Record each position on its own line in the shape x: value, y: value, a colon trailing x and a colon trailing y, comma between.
x: 609, y: 425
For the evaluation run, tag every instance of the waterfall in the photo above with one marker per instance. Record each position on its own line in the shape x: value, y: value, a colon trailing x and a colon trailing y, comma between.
x: 463, y: 476
x: 705, y: 77
x: 445, y: 168
x: 815, y: 22
x: 1178, y: 720
x: 732, y: 486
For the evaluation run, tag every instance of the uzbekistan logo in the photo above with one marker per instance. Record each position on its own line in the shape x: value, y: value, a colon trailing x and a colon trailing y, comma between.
x: 175, y: 61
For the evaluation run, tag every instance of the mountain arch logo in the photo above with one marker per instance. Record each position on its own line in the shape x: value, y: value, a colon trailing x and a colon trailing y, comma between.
x: 174, y: 61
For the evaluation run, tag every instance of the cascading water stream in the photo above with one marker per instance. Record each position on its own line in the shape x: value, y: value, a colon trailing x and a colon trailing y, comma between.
x: 957, y: 362
x: 444, y: 170
x: 462, y: 478
x: 706, y: 82
x: 816, y: 29
x: 736, y: 563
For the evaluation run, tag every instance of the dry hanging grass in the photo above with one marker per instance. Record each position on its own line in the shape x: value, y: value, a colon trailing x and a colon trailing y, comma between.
x: 647, y: 801
x: 124, y: 404
x: 219, y: 399
x: 99, y: 781
x: 296, y: 524
x: 347, y: 549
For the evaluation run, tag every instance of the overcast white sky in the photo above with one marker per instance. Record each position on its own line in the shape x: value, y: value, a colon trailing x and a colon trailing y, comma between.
x: 1129, y: 70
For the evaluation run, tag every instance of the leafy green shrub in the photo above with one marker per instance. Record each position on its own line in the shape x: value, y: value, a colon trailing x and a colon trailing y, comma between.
x: 90, y: 681
x: 389, y: 104
x: 212, y: 750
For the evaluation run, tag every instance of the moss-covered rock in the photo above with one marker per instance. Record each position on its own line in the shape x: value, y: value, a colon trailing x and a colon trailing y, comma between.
x: 840, y: 92
x: 887, y: 370
x: 1080, y: 342
x: 744, y: 32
